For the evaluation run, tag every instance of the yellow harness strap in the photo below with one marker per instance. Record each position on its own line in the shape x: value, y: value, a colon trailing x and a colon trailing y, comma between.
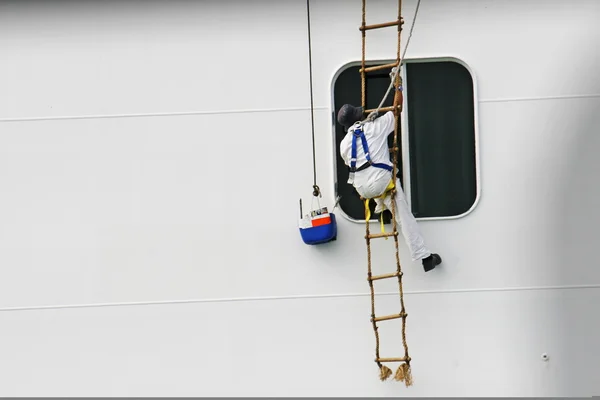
x: 389, y: 188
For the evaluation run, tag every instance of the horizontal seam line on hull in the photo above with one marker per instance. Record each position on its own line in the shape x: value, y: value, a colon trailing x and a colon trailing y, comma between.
x: 296, y: 297
x: 265, y: 110
x: 518, y: 99
x: 166, y: 114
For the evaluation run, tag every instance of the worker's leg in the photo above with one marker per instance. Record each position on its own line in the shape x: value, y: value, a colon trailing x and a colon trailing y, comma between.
x: 408, y: 225
x: 379, y: 206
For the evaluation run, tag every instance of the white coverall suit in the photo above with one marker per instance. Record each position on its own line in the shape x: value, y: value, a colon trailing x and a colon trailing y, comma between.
x: 372, y: 181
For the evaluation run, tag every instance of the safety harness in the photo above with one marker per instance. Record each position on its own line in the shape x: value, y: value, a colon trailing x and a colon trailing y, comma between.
x: 359, y: 133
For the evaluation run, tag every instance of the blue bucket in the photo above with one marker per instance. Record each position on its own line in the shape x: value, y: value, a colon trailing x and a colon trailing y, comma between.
x: 318, y: 229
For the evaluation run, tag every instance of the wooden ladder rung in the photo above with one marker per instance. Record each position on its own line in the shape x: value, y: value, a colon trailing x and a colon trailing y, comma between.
x: 397, y: 359
x: 382, y: 25
x: 380, y: 235
x: 384, y: 109
x: 385, y: 276
x: 388, y: 317
x: 379, y: 67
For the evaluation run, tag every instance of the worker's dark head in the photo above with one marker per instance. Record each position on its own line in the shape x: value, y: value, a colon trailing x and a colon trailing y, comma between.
x: 349, y: 114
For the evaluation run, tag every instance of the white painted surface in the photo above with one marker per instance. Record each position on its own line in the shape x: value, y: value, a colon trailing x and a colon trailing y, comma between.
x: 473, y: 344
x: 154, y: 208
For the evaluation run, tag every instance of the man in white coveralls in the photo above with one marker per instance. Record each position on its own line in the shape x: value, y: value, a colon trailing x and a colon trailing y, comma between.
x: 373, y: 174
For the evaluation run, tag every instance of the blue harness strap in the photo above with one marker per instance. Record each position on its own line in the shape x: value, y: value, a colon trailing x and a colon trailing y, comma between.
x: 358, y: 132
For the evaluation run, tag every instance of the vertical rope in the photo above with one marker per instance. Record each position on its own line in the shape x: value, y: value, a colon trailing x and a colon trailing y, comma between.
x: 396, y: 84
x: 362, y: 72
x: 399, y: 30
x: 369, y: 274
x: 316, y: 190
x: 384, y: 372
x: 403, y: 373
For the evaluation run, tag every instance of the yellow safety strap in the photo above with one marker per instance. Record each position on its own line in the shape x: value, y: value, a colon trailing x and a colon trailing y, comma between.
x: 389, y: 188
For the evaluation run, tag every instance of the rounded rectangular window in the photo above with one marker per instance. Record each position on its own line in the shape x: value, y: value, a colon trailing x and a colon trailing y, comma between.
x: 440, y: 116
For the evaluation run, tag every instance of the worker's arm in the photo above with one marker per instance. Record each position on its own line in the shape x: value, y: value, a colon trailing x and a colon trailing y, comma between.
x: 385, y: 124
x: 344, y: 150
x: 398, y: 97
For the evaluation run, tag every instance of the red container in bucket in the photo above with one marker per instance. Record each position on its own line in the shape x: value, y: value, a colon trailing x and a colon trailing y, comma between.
x: 318, y: 227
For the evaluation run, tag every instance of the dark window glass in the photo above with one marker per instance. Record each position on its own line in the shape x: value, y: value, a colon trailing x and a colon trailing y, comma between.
x: 441, y: 132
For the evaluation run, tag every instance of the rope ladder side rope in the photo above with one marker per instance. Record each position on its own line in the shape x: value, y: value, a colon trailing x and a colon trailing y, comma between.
x: 403, y: 373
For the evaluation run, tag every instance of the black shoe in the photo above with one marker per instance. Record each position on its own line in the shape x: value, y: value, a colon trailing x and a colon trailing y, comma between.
x: 430, y: 262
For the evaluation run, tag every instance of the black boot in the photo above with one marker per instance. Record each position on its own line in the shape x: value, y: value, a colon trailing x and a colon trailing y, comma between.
x: 430, y: 262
